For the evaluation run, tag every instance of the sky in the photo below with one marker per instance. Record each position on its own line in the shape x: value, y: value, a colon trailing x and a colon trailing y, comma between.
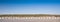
x: 29, y: 6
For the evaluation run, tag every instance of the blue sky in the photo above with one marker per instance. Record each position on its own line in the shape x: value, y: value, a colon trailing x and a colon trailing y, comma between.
x: 29, y: 6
